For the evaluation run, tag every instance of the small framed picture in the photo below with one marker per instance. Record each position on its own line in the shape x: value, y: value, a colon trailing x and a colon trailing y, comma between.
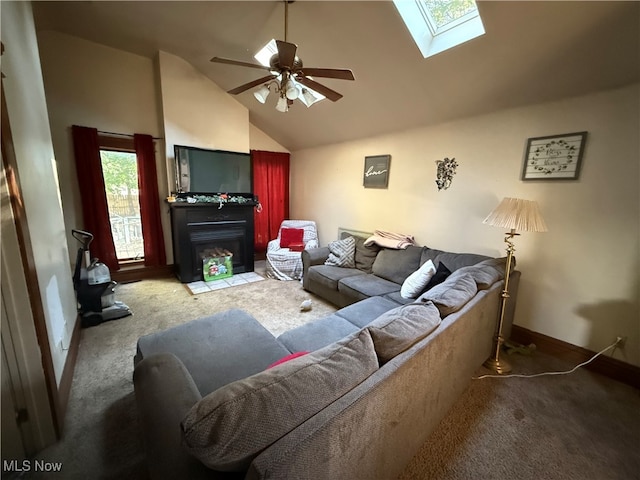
x: 556, y: 157
x: 376, y: 171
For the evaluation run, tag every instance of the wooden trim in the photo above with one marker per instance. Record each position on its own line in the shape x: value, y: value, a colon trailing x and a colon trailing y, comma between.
x: 28, y: 264
x: 134, y: 274
x: 611, y: 367
x: 107, y: 142
x: 69, y: 367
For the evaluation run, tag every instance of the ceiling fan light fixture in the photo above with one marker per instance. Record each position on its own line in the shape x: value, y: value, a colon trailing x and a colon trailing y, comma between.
x: 308, y: 98
x: 280, y: 60
x: 262, y: 93
x: 291, y: 90
x: 282, y: 105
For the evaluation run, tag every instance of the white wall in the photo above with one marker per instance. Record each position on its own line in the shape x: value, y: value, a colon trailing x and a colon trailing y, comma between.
x: 198, y: 113
x: 37, y: 170
x: 580, y: 280
x: 92, y: 85
x: 261, y: 141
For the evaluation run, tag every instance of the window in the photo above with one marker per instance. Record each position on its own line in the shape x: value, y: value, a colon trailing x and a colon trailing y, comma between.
x: 437, y: 25
x: 120, y: 173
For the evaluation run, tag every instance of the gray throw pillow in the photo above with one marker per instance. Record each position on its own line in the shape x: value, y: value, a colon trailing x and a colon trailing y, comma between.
x: 451, y: 295
x: 342, y: 253
x: 365, y: 255
x: 395, y: 331
x: 229, y: 427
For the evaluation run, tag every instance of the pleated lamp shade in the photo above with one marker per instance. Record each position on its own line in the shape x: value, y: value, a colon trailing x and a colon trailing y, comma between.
x: 517, y: 214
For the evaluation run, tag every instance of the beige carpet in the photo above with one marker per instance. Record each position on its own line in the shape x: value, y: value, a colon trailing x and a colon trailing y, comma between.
x: 581, y: 426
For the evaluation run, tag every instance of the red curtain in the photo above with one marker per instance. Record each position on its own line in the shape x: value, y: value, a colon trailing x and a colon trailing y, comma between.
x: 95, y: 213
x: 154, y: 254
x: 271, y: 185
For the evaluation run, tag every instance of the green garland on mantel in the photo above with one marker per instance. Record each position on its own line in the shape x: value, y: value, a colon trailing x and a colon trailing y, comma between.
x: 219, y: 198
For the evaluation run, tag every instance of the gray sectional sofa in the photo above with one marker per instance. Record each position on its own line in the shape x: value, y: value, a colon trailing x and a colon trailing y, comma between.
x: 377, y: 271
x: 380, y: 374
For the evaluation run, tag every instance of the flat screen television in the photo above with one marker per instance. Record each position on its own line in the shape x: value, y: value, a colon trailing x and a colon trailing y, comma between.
x: 202, y: 171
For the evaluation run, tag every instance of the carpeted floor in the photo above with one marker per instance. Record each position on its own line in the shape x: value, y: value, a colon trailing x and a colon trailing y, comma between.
x: 579, y: 426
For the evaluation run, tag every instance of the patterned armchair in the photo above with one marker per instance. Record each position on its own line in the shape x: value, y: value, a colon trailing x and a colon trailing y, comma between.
x: 284, y: 256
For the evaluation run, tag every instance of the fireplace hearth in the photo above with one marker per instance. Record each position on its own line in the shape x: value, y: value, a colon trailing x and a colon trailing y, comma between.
x: 197, y: 228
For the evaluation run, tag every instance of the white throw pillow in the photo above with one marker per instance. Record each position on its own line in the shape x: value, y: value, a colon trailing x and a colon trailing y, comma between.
x: 415, y: 283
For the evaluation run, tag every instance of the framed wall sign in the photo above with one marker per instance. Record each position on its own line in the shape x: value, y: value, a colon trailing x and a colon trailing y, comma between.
x: 556, y: 157
x: 376, y: 171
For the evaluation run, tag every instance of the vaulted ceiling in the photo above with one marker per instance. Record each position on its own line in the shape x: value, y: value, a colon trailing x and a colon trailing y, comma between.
x: 532, y: 52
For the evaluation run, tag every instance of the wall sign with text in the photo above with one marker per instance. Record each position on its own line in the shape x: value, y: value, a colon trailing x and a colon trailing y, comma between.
x: 556, y: 157
x: 376, y: 171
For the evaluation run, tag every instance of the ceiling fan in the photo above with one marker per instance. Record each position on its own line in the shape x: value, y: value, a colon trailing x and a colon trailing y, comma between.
x: 288, y: 75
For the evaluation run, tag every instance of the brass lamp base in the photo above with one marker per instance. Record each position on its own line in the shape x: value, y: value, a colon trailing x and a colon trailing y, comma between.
x: 497, y: 365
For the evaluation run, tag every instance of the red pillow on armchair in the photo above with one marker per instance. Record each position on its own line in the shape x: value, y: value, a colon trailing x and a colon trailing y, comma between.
x: 290, y: 235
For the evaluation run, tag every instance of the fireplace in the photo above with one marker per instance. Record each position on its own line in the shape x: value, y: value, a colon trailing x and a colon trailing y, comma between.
x: 198, y: 228
x: 229, y: 236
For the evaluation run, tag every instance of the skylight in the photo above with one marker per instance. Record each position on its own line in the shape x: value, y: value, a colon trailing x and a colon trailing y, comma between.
x: 437, y: 25
x: 266, y: 53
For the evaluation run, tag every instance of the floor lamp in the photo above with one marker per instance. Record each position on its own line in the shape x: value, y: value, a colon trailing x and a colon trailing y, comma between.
x: 517, y: 215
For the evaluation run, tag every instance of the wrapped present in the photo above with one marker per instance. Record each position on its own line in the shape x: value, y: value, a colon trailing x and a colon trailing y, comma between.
x: 217, y: 263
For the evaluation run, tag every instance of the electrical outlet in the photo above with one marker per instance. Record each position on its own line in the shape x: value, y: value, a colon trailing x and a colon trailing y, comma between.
x: 621, y: 341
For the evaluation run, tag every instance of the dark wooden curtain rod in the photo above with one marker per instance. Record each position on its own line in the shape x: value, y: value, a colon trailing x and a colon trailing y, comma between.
x: 125, y: 135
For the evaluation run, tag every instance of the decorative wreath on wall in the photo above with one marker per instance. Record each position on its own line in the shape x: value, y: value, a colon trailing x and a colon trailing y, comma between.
x: 446, y: 171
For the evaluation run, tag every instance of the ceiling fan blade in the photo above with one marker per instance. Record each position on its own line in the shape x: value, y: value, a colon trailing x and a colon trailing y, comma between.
x: 327, y: 92
x: 286, y: 54
x: 339, y: 73
x: 247, y: 86
x: 239, y: 63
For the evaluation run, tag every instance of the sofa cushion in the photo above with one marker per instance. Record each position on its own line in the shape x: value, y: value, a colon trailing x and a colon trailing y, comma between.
x: 365, y: 255
x: 328, y: 276
x: 397, y: 265
x: 228, y: 428
x: 397, y: 298
x: 317, y: 334
x: 485, y: 273
x: 415, y: 283
x: 452, y: 294
x: 342, y: 253
x: 360, y: 287
x: 231, y: 334
x: 290, y: 235
x: 430, y: 254
x: 398, y: 329
x: 363, y: 312
x: 455, y: 261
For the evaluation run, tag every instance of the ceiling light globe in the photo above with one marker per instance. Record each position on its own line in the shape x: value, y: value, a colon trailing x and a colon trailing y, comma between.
x: 282, y: 105
x: 262, y: 93
x: 292, y: 92
x: 308, y: 98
